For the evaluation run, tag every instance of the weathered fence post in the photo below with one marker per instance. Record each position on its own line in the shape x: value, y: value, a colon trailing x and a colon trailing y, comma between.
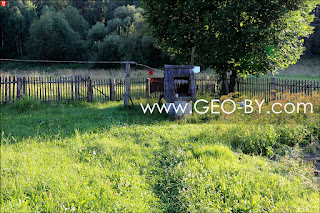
x: 71, y: 85
x: 273, y: 89
x: 112, y: 89
x: 19, y: 87
x: 89, y: 89
x: 127, y: 82
x: 148, y: 87
x: 24, y: 85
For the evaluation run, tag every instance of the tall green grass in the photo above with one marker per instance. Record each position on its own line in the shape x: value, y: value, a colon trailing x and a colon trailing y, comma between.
x: 102, y: 157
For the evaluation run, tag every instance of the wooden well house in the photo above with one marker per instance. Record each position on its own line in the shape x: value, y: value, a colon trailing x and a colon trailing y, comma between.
x: 179, y: 83
x: 179, y: 87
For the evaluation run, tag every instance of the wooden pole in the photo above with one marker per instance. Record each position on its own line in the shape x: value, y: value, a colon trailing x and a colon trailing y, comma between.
x: 71, y: 87
x: 148, y: 87
x: 127, y: 79
x: 19, y: 87
x: 273, y: 88
x: 89, y: 89
x: 24, y: 85
x: 192, y: 55
x: 112, y: 89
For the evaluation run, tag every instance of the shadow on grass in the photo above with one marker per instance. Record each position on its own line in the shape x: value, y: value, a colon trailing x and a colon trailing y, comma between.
x: 60, y: 120
x: 168, y: 185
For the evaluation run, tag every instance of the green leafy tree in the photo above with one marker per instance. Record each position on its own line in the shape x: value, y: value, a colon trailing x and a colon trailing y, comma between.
x: 126, y: 33
x: 239, y: 36
x: 101, y: 10
x: 96, y: 36
x: 126, y: 20
x: 51, y: 37
x: 16, y: 18
x: 108, y: 50
x: 97, y: 33
x: 56, y: 4
x: 76, y: 21
x: 313, y: 43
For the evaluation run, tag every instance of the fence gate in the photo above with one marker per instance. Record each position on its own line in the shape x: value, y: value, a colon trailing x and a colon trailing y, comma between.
x: 114, y: 89
x: 102, y: 90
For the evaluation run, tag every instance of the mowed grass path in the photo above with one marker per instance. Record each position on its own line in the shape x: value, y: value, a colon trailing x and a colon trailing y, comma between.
x: 101, y: 157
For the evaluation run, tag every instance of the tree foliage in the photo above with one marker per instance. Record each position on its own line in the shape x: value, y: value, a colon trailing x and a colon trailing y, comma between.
x: 16, y: 18
x: 68, y: 29
x: 51, y: 37
x: 125, y: 39
x: 313, y: 43
x: 247, y: 37
x: 242, y: 36
x: 76, y: 21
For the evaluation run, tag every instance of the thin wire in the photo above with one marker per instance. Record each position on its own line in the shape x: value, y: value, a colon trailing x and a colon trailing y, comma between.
x: 79, y: 62
x: 82, y: 62
x: 148, y: 67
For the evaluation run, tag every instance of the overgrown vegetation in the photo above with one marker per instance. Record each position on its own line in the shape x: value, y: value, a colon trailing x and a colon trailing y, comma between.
x: 104, y: 157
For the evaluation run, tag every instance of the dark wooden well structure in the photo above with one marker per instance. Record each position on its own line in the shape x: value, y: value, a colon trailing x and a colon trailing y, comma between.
x: 179, y: 83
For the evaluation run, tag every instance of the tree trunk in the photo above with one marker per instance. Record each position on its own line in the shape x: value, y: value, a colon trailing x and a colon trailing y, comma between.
x: 192, y: 55
x: 21, y: 47
x: 233, y: 81
x: 224, y: 82
x: 17, y: 43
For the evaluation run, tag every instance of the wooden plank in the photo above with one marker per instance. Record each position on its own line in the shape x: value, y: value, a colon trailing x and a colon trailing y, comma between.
x: 71, y: 87
x: 6, y: 89
x: 13, y: 88
x: 59, y: 96
x: 10, y: 85
x: 45, y: 89
x: 19, y: 87
x: 50, y: 89
x: 39, y: 87
x: 24, y: 85
x: 76, y: 86
x: 89, y: 89
x: 127, y: 85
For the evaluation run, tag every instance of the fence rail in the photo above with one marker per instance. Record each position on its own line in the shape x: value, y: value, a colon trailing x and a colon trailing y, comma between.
x: 65, y: 88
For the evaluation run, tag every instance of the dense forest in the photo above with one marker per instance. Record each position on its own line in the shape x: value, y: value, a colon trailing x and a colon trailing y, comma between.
x: 77, y: 30
x: 87, y: 30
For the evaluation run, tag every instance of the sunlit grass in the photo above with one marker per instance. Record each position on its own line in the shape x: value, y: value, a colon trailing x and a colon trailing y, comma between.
x: 65, y: 157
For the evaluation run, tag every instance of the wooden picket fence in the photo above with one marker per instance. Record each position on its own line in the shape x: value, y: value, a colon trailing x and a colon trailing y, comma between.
x: 68, y: 88
x: 275, y: 89
x: 45, y: 89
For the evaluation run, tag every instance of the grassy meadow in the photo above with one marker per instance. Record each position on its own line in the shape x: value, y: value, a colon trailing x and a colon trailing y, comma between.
x: 102, y: 157
x: 307, y: 68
